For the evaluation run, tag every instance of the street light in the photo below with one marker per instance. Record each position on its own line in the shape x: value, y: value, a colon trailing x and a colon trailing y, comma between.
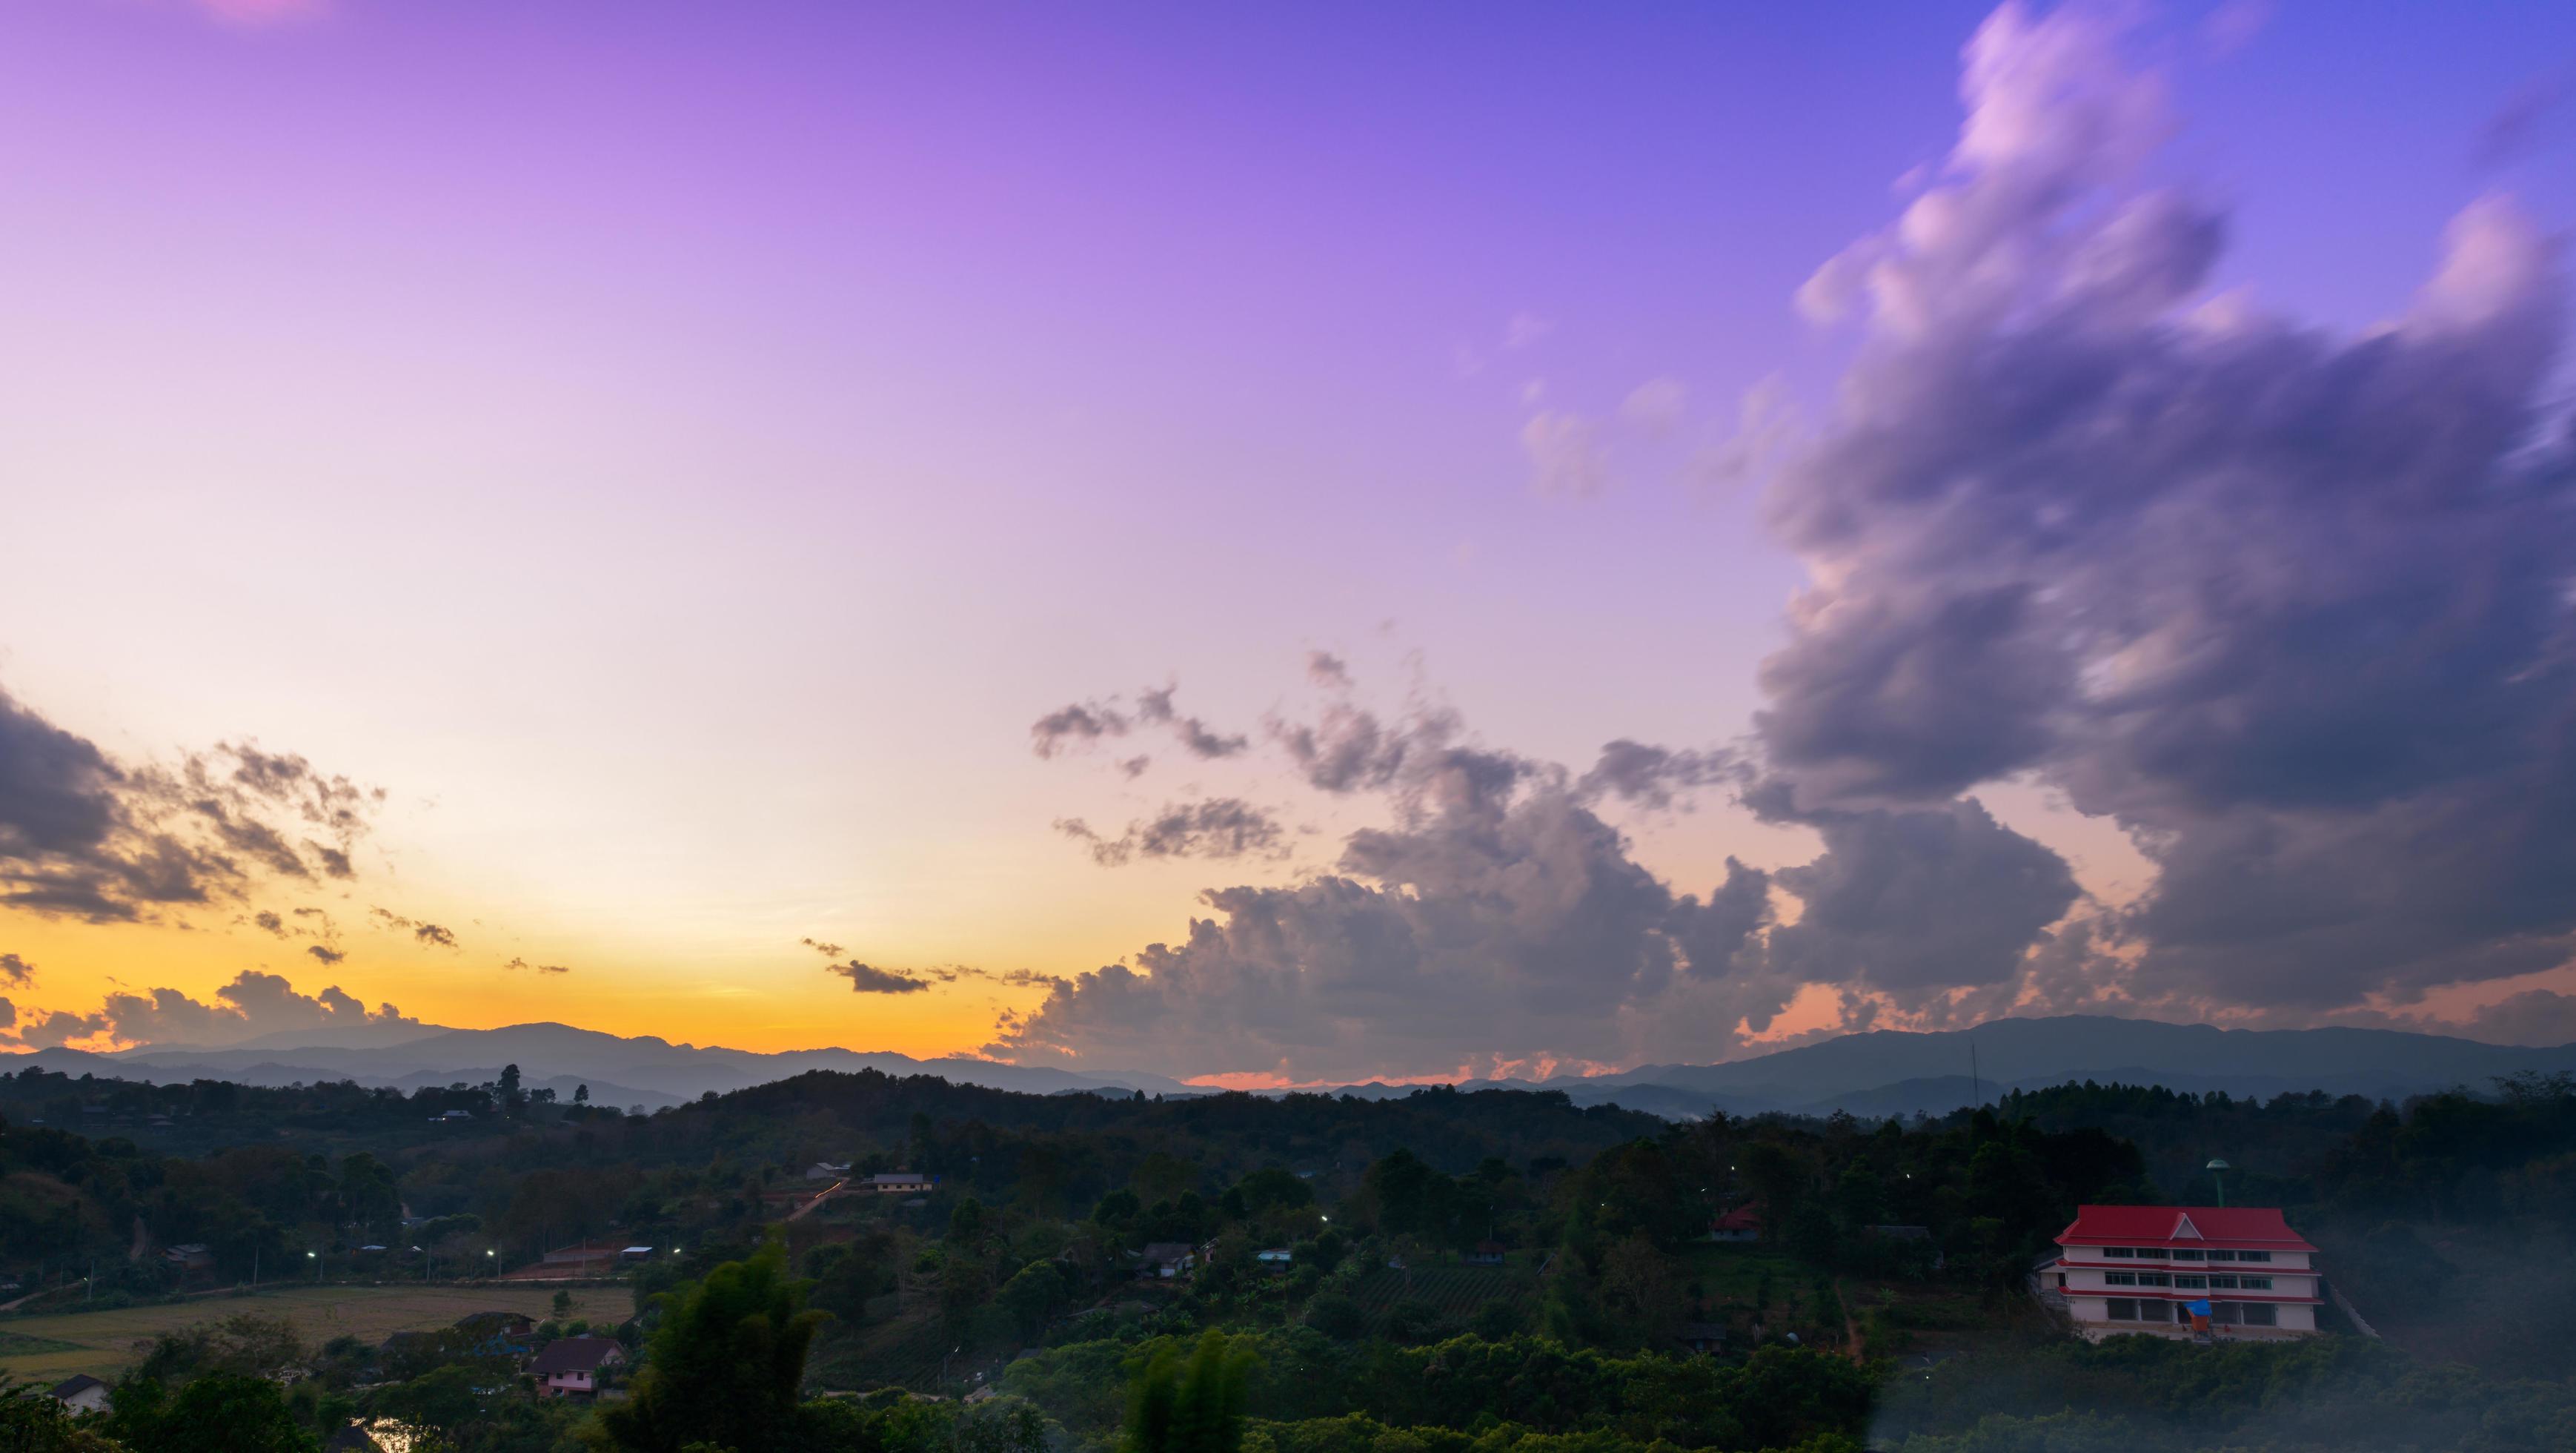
x: 2214, y: 1168
x: 317, y: 1264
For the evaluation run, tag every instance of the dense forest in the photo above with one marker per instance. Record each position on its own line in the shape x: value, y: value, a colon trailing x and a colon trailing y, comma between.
x: 1299, y: 1274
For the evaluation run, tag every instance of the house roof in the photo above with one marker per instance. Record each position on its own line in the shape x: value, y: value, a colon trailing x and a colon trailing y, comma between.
x: 1165, y: 1250
x: 1742, y: 1218
x: 2255, y: 1228
x: 76, y: 1384
x: 576, y: 1354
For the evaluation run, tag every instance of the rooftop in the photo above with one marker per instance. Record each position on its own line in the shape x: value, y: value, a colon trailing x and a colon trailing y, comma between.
x: 2257, y: 1228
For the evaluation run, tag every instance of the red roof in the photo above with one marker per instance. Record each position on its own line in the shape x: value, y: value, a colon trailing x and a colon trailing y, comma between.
x: 2252, y: 1228
x: 1742, y: 1218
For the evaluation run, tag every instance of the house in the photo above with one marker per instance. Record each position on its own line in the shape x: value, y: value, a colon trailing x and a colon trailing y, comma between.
x: 899, y: 1183
x: 1744, y: 1223
x: 2153, y: 1268
x: 1487, y: 1253
x: 499, y: 1334
x: 583, y: 1257
x: 575, y: 1366
x: 189, y: 1256
x: 1164, y: 1260
x: 1277, y: 1258
x: 1698, y: 1337
x: 451, y: 1117
x: 824, y: 1170
x: 80, y: 1393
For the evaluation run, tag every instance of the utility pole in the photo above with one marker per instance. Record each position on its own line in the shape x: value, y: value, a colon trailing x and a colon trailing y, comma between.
x: 1976, y: 1081
x: 2216, y: 1178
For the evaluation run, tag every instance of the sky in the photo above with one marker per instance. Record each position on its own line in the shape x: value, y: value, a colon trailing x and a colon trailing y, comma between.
x: 1282, y: 545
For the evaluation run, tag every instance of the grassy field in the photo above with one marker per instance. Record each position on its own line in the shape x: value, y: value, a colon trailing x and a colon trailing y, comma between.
x: 51, y: 1347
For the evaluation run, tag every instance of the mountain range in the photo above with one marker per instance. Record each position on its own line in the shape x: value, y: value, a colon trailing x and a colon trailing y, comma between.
x: 1878, y: 1073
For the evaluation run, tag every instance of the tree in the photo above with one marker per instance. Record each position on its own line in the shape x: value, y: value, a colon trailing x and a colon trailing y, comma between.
x: 1194, y: 1406
x: 31, y: 1422
x: 221, y: 1412
x: 513, y: 1100
x: 581, y: 1094
x: 724, y: 1367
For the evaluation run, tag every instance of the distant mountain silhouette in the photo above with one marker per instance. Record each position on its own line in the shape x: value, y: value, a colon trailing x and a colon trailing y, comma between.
x: 1883, y: 1072
x: 644, y: 1070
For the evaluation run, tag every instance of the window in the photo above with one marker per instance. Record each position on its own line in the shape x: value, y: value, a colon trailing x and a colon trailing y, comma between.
x: 2255, y: 1283
x: 2120, y: 1278
x: 2155, y: 1311
x: 2117, y: 1251
x: 2222, y: 1283
x: 2222, y: 1256
x: 2261, y: 1314
x: 2253, y: 1256
x: 2154, y: 1279
x: 2122, y: 1309
x: 2184, y: 1254
x: 2227, y: 1313
x: 2191, y: 1283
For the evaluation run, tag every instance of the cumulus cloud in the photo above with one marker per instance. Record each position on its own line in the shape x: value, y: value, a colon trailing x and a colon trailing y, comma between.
x: 2534, y: 1016
x: 17, y: 970
x: 1498, y: 919
x: 1217, y: 827
x: 85, y: 836
x: 869, y: 979
x: 2297, y: 611
x: 2293, y: 609
x: 253, y: 1004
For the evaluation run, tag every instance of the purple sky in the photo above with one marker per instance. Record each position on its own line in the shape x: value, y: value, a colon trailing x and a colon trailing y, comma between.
x: 677, y: 450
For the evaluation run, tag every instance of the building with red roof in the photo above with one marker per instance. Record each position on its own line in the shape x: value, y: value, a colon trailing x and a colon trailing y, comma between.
x: 2150, y: 1268
x: 1744, y: 1223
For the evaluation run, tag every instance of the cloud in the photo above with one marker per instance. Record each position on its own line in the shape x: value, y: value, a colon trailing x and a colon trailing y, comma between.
x: 324, y: 953
x: 2514, y: 131
x: 2534, y: 1016
x: 869, y: 979
x: 1218, y: 827
x: 43, y: 1030
x: 1498, y: 919
x: 1656, y: 406
x: 432, y: 934
x: 1566, y: 454
x: 827, y: 950
x: 17, y: 970
x: 1328, y: 670
x: 1087, y: 723
x: 269, y: 923
x: 84, y: 836
x: 519, y: 963
x: 1654, y: 776
x: 253, y: 1004
x: 2292, y: 609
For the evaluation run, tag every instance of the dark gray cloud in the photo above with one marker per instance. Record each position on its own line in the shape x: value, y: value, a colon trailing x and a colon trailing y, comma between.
x: 324, y: 953
x: 1216, y: 827
x: 869, y: 979
x: 253, y: 1004
x: 1654, y: 776
x: 1497, y: 922
x: 432, y: 934
x: 1088, y: 723
x: 1916, y: 903
x: 84, y: 836
x: 2292, y: 608
x: 17, y: 970
x: 1328, y: 670
x: 519, y: 963
x: 827, y: 950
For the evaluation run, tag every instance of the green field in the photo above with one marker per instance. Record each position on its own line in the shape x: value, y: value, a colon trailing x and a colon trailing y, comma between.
x: 53, y: 1346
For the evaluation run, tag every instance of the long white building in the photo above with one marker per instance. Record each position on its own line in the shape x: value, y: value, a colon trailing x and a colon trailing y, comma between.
x: 2140, y: 1269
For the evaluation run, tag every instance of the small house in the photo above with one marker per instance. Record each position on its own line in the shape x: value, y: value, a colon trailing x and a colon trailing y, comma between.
x: 1487, y: 1253
x: 189, y: 1256
x: 80, y: 1393
x: 898, y: 1183
x: 1744, y: 1223
x: 576, y: 1366
x: 1701, y: 1337
x: 1166, y: 1260
x: 824, y: 1170
x: 1276, y: 1259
